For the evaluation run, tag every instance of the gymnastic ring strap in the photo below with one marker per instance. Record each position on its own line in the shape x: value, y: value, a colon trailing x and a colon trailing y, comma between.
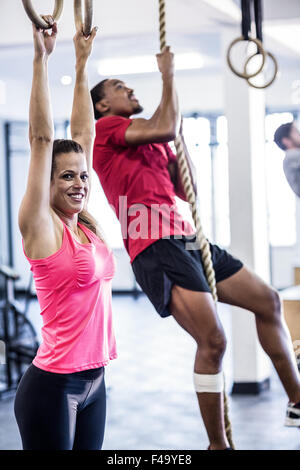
x: 37, y: 19
x: 246, y: 19
x: 260, y: 50
x: 258, y: 15
x: 269, y: 82
x: 88, y: 16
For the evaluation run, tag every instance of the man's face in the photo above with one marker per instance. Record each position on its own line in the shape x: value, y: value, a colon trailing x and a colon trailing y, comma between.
x: 119, y: 99
x: 294, y: 138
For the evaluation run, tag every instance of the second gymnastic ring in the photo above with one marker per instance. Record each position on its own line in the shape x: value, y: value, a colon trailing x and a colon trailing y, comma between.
x: 88, y: 16
x: 267, y: 84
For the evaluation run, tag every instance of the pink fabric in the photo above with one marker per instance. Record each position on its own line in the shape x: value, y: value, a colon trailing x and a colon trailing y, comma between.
x: 141, y: 175
x: 74, y: 292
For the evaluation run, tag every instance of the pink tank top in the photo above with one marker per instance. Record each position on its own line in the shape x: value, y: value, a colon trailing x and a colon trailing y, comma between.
x: 74, y: 292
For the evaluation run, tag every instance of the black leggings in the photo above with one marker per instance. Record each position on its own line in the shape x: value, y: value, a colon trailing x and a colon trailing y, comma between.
x: 61, y: 411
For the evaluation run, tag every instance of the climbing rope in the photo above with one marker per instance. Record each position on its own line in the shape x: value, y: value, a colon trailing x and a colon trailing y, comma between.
x: 186, y: 179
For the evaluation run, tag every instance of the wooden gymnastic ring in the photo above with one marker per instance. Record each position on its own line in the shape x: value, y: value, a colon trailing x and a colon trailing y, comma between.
x: 260, y: 50
x: 37, y: 19
x: 267, y: 84
x: 88, y: 16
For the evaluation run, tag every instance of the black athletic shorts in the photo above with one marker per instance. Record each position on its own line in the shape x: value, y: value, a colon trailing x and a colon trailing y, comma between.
x: 167, y: 262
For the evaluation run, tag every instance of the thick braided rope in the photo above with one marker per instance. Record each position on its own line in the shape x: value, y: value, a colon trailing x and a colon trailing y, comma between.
x: 191, y: 198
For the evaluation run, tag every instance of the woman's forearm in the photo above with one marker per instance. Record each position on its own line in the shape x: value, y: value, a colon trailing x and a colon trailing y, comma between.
x: 82, y: 119
x: 40, y: 115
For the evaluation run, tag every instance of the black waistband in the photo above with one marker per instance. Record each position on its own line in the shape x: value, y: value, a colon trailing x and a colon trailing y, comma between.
x: 89, y: 374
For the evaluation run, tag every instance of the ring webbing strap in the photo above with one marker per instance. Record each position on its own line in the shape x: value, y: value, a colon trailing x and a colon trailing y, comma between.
x: 246, y: 18
x: 258, y: 14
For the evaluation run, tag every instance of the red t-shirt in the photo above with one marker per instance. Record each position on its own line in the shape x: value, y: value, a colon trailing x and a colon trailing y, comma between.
x: 137, y: 185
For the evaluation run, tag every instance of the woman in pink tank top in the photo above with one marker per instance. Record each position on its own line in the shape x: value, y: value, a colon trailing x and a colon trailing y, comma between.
x: 60, y: 402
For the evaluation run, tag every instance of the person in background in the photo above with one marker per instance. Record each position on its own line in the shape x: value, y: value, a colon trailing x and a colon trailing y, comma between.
x: 287, y: 137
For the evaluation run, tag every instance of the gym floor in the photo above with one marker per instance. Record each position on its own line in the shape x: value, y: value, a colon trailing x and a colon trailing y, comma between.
x: 150, y: 398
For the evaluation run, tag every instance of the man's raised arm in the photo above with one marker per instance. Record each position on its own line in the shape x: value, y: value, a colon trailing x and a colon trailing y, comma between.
x: 164, y: 124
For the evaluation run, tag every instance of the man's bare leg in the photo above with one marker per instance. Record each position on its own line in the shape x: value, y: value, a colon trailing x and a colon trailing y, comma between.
x: 245, y: 289
x: 196, y: 313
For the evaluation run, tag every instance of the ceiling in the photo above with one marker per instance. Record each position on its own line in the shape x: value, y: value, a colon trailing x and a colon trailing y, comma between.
x: 119, y: 18
x: 130, y: 28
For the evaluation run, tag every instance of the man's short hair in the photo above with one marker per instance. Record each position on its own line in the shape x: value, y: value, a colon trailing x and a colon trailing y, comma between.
x: 282, y: 132
x: 97, y: 94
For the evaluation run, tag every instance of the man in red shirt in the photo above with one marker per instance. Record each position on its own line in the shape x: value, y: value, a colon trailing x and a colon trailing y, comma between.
x: 139, y: 176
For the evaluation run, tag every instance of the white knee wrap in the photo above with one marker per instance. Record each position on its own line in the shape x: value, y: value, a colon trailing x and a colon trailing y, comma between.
x: 212, y: 383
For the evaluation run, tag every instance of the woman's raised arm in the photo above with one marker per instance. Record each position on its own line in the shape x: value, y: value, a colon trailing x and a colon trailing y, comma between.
x: 35, y: 207
x: 82, y: 119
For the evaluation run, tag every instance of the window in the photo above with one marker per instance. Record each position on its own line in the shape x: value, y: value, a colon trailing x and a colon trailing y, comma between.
x: 206, y: 139
x: 221, y: 184
x: 197, y: 137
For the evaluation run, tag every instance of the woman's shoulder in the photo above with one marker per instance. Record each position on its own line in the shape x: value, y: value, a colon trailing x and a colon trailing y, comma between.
x: 47, y: 241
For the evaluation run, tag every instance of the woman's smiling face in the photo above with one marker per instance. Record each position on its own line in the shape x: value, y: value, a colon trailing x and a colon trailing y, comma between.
x: 70, y: 183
